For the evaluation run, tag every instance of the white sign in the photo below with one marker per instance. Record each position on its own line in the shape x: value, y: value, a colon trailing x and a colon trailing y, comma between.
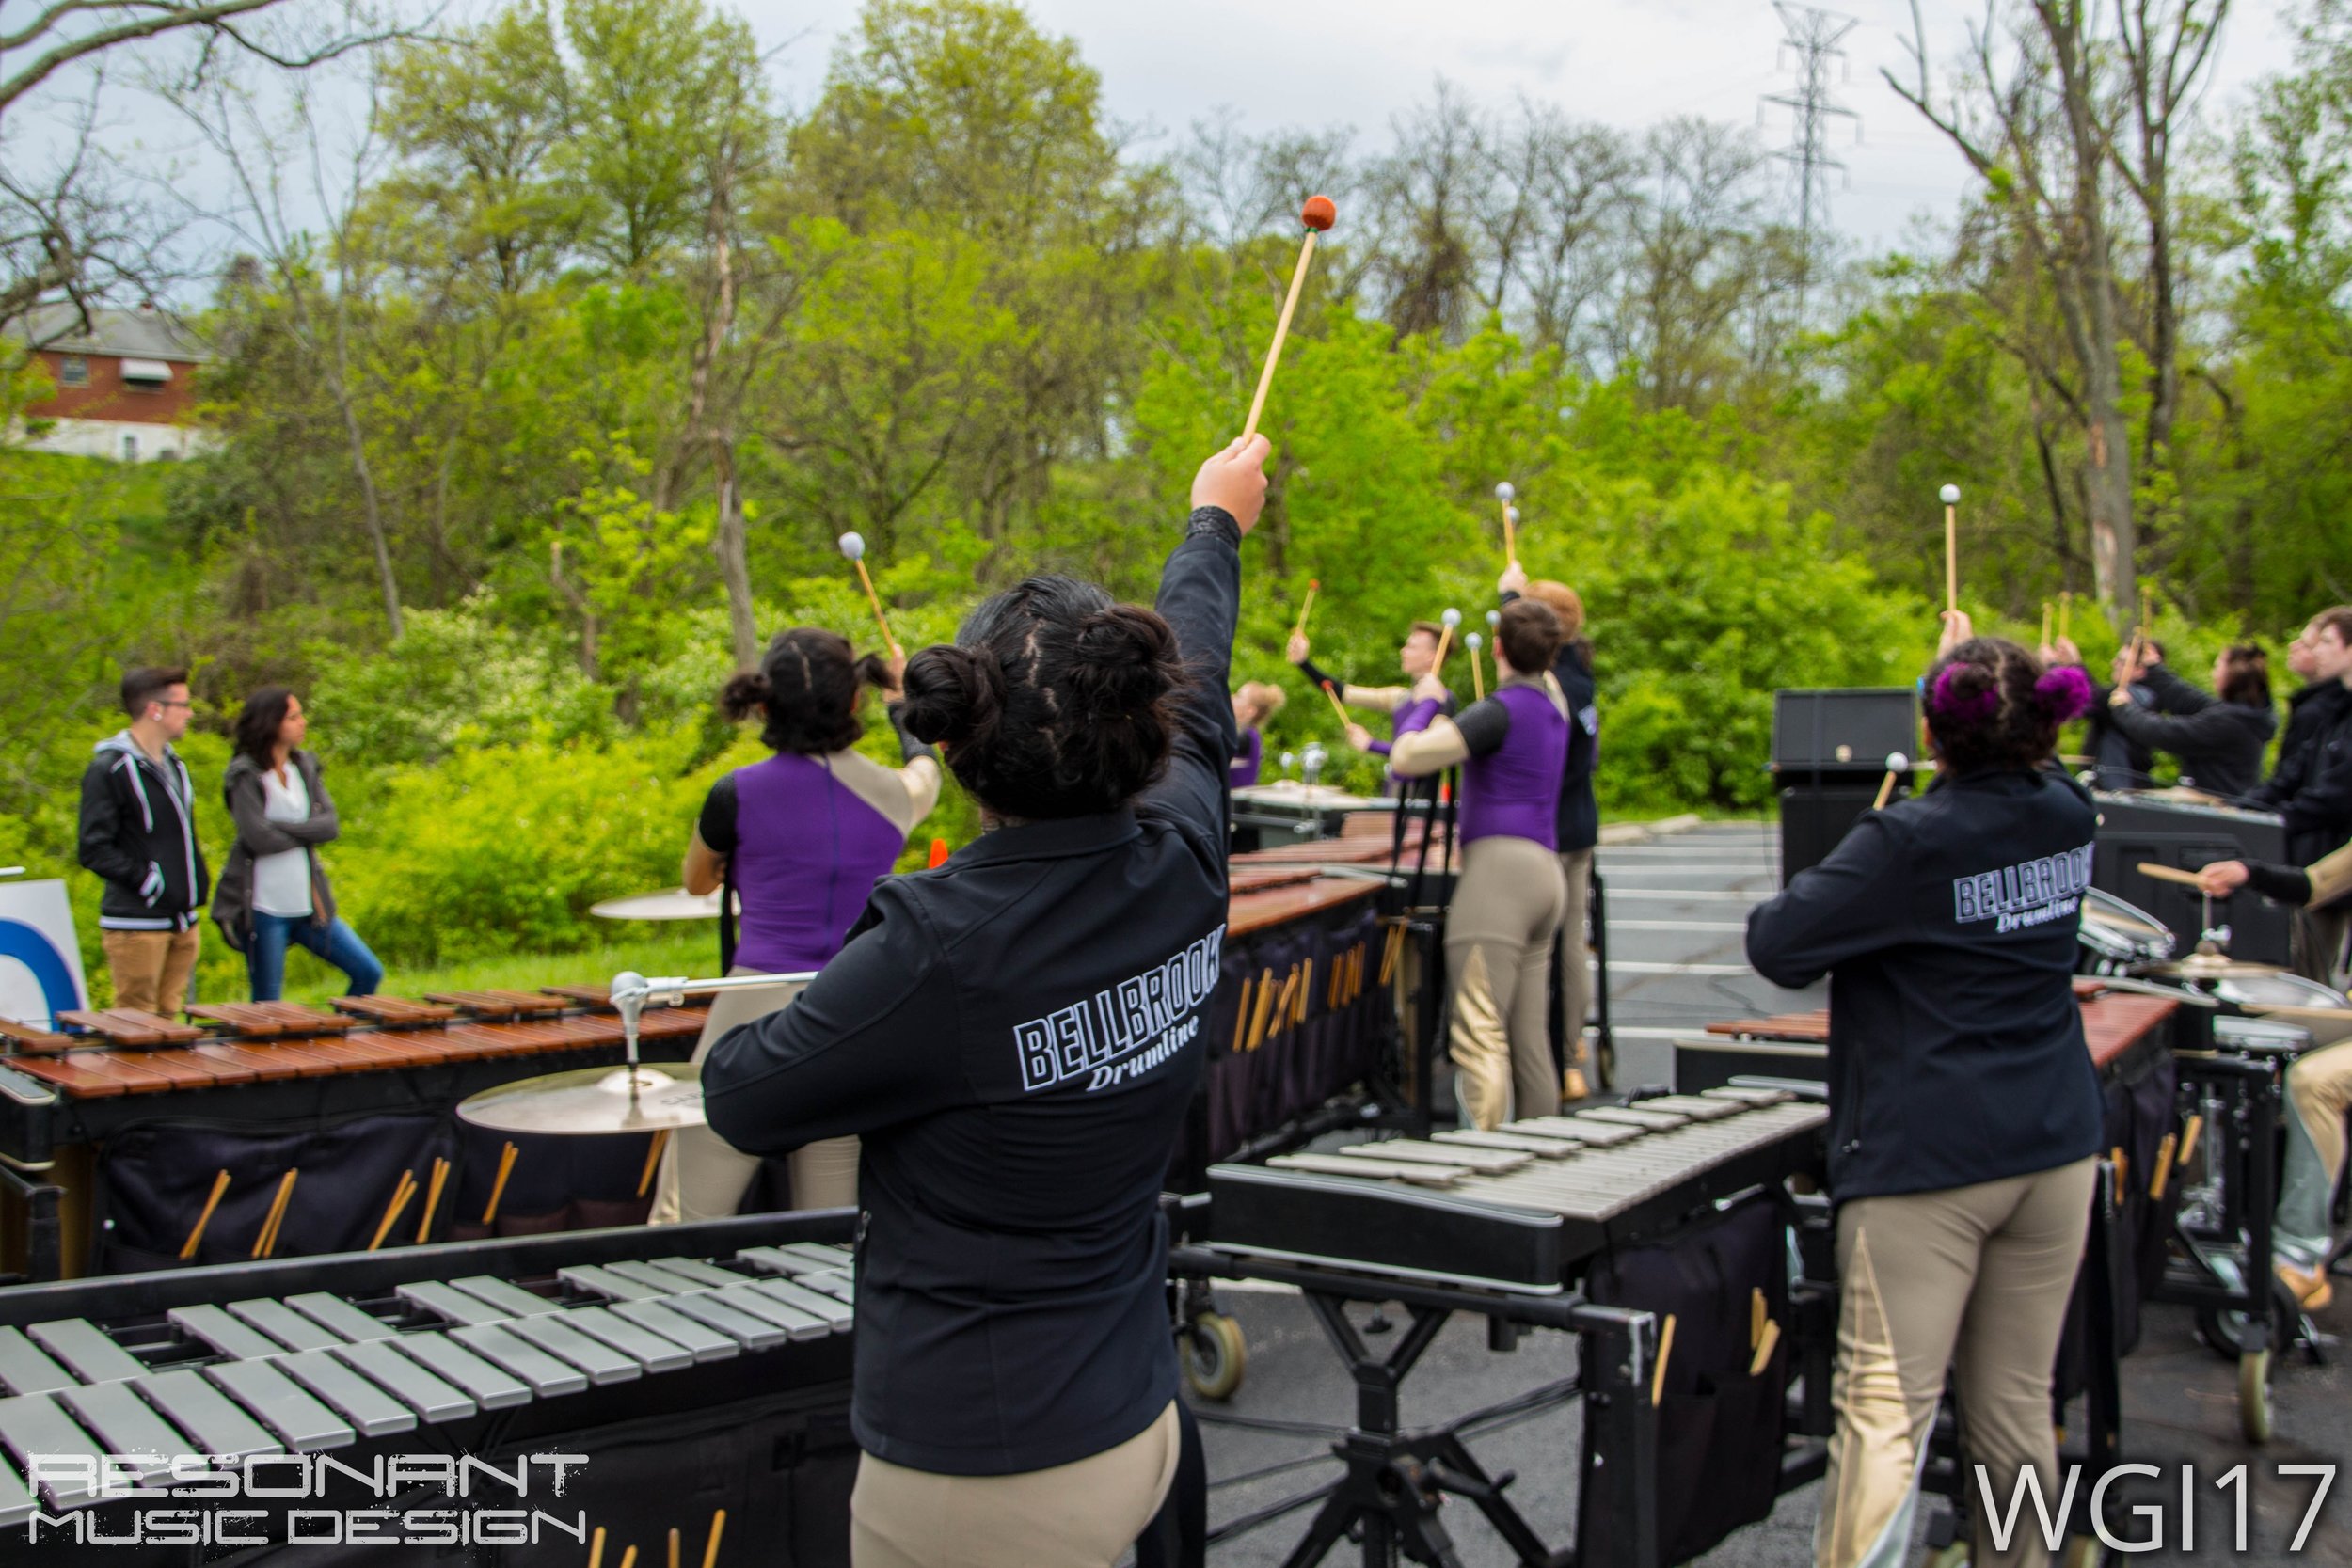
x: 40, y: 958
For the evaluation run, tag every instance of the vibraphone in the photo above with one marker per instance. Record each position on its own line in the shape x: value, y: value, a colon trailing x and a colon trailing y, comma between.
x: 734, y: 1332
x: 1508, y: 1224
x: 273, y: 1065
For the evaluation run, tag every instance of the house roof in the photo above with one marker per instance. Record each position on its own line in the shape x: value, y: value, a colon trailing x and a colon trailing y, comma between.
x: 147, y: 334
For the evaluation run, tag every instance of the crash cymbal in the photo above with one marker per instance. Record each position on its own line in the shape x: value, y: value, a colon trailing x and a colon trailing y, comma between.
x: 593, y: 1100
x: 676, y: 904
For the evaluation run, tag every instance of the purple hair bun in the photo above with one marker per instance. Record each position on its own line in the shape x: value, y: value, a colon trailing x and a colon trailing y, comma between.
x: 2063, y: 692
x: 1958, y: 707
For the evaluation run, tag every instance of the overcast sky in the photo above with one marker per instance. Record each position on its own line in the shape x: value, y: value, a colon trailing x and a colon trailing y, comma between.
x: 1167, y: 63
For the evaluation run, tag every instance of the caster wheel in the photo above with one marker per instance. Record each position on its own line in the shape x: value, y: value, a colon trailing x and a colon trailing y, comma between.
x: 2254, y: 1396
x: 1215, y: 1355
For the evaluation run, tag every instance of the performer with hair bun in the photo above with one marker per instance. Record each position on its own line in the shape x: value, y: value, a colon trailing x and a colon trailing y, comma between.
x: 1508, y: 905
x: 1017, y: 1035
x: 800, y: 838
x: 1964, y: 1113
x: 1253, y: 704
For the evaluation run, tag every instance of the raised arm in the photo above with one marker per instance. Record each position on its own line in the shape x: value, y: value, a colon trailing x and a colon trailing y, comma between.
x: 1443, y: 741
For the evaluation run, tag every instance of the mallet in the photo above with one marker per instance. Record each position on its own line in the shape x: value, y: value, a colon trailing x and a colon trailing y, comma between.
x: 2045, y: 623
x: 1450, y: 619
x: 1896, y: 764
x: 1505, y: 493
x: 1337, y: 706
x: 853, y: 547
x: 1478, y: 680
x: 1951, y: 549
x: 1318, y: 214
x: 2066, y: 611
x: 1305, y: 607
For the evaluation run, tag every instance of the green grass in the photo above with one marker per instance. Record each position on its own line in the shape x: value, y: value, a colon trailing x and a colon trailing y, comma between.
x: 681, y: 947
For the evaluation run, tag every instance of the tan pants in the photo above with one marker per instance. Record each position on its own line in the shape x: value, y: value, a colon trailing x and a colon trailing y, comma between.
x: 2319, y: 1087
x: 151, y: 969
x: 1576, y: 959
x: 1498, y: 954
x: 2316, y: 944
x: 704, y: 1176
x: 1974, y: 1279
x: 1082, y: 1514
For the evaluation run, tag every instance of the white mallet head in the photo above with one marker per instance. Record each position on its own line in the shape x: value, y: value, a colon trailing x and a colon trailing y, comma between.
x: 1951, y: 494
x: 1898, y: 763
x: 1473, y: 641
x: 1494, y: 618
x: 1451, y: 618
x: 1503, y: 491
x: 853, y: 546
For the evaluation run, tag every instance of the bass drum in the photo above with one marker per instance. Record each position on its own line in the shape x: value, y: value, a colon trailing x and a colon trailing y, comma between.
x: 2118, y: 938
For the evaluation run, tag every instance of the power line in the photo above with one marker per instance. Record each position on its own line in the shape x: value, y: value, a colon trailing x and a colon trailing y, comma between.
x: 1814, y: 35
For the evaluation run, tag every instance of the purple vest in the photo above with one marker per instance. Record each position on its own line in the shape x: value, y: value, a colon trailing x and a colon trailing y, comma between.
x: 1514, y: 791
x: 1243, y: 770
x: 808, y: 852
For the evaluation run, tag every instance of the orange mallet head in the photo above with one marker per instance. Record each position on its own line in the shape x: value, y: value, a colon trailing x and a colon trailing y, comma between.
x: 939, y: 853
x: 1319, y: 214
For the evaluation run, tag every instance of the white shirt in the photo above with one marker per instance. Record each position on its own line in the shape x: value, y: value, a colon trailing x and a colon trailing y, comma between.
x: 281, y: 883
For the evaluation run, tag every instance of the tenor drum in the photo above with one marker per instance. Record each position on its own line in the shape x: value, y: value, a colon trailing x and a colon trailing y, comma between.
x: 2117, y: 937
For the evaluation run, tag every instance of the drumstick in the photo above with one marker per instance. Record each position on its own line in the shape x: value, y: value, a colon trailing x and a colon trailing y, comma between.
x: 267, y: 1240
x: 2289, y: 1009
x: 1896, y: 764
x: 853, y: 546
x: 1951, y: 549
x: 2045, y: 623
x: 1503, y: 494
x: 1337, y: 706
x: 629, y: 1558
x: 674, y: 1546
x: 1758, y: 1313
x: 498, y: 1187
x: 710, y: 1551
x: 1317, y: 215
x: 1478, y: 678
x: 432, y: 1198
x: 595, y: 1548
x: 1450, y: 619
x: 1300, y: 629
x: 1764, y: 1344
x: 652, y: 1160
x: 2154, y: 871
x: 2066, y: 610
x: 402, y: 1193
x: 1665, y: 1349
x: 2164, y: 1166
x: 220, y: 1185
x: 2188, y: 1139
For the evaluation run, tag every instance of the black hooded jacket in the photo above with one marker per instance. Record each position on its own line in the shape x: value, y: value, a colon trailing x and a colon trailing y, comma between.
x: 138, y: 835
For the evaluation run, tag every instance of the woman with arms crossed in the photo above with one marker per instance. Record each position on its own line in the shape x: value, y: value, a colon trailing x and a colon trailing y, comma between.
x: 1965, y: 1115
x: 801, y: 838
x: 1016, y: 1035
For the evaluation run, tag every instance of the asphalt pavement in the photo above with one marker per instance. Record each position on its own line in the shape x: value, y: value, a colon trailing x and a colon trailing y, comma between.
x: 1676, y: 911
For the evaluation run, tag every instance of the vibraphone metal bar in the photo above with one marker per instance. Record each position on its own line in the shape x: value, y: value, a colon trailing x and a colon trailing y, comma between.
x: 316, y: 1355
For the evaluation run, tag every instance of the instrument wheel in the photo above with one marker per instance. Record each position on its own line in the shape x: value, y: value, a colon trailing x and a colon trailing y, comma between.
x: 2254, y: 1396
x: 1214, y: 1354
x: 2224, y: 1330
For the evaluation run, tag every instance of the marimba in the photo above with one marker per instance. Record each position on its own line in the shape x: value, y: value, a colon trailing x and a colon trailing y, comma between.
x: 553, y: 1342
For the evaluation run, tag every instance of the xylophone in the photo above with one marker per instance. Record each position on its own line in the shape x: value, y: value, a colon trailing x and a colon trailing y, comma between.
x: 462, y: 1348
x: 274, y: 1066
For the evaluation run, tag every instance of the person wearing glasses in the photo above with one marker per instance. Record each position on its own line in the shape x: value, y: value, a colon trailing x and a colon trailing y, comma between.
x: 138, y: 835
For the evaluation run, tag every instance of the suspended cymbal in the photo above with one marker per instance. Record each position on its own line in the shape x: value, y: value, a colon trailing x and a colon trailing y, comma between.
x: 676, y: 904
x: 2210, y: 966
x: 593, y: 1100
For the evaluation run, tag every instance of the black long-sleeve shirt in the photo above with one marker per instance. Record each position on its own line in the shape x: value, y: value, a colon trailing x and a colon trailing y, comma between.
x: 1017, y: 1036
x: 1946, y: 923
x: 2313, y: 786
x: 2219, y: 745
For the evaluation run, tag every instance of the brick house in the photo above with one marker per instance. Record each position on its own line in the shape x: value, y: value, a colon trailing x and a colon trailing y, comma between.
x: 125, y: 387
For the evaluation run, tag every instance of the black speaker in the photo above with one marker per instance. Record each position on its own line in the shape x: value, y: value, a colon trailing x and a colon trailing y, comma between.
x: 2137, y: 828
x: 1843, y: 729
x: 1814, y: 818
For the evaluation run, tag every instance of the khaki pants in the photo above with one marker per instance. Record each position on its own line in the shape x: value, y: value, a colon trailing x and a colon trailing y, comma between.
x: 703, y: 1177
x: 1498, y: 954
x: 151, y: 969
x: 1974, y: 1279
x: 1576, y: 959
x: 1082, y: 1514
x: 2316, y: 944
x: 2319, y: 1087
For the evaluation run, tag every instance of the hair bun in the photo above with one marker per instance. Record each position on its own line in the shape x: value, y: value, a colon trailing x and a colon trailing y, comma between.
x: 1965, y: 693
x: 746, y: 692
x: 2063, y: 692
x: 1126, y: 661
x: 952, y: 696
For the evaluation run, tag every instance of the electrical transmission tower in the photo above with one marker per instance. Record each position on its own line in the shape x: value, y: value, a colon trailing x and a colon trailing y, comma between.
x: 1814, y: 34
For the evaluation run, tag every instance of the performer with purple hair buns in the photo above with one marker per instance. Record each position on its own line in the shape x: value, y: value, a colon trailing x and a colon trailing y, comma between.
x: 1964, y: 1113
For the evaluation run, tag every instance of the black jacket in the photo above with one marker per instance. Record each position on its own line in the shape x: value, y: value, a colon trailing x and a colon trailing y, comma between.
x: 2312, y: 785
x: 2219, y: 745
x: 1017, y: 1036
x: 2122, y: 761
x: 1946, y: 923
x: 138, y: 833
x: 249, y: 807
x: 1580, y: 813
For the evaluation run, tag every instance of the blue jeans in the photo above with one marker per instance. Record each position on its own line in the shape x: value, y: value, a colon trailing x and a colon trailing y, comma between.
x: 338, y: 945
